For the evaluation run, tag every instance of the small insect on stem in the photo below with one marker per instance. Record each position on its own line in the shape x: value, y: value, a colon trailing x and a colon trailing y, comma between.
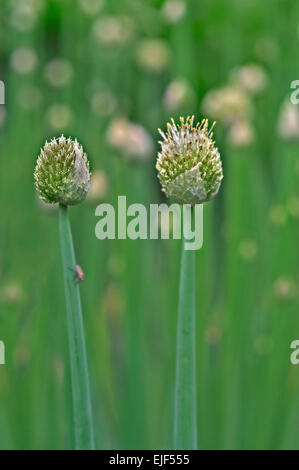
x: 78, y: 273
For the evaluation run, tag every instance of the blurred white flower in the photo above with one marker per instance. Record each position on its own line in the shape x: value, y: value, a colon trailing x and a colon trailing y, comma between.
x: 285, y: 287
x: 250, y: 77
x: 241, y: 133
x: 23, y: 60
x: 248, y: 249
x: 288, y: 121
x: 173, y: 10
x: 178, y: 93
x: 111, y: 30
x: 12, y: 293
x: 25, y: 13
x: 117, y: 132
x: 278, y: 214
x: 153, y: 54
x: 103, y: 103
x: 59, y: 117
x: 139, y: 144
x: 29, y: 97
x: 58, y: 72
x: 132, y: 139
x: 91, y: 7
x: 227, y: 104
x: 98, y: 186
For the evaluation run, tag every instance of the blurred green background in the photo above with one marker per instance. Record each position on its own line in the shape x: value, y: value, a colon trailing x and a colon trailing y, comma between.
x: 110, y: 73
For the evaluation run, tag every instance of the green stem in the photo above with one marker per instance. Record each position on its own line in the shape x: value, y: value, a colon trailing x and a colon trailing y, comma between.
x: 185, y: 432
x: 80, y: 383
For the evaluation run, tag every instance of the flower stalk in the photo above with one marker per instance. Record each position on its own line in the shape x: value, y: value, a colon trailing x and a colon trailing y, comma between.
x: 80, y: 381
x: 185, y: 429
x: 190, y: 172
x: 62, y: 176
